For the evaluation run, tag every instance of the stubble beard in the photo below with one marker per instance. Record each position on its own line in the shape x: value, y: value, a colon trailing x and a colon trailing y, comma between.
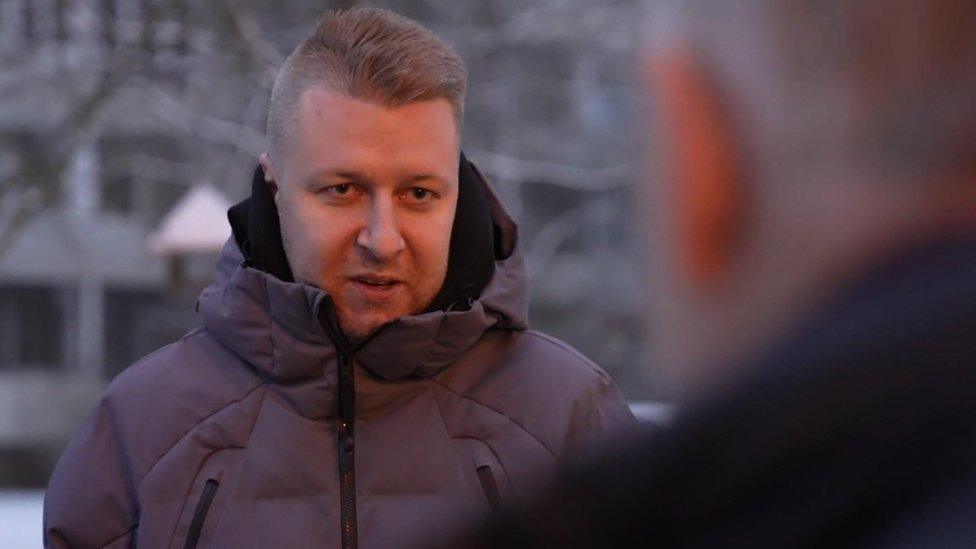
x: 353, y: 325
x: 357, y: 328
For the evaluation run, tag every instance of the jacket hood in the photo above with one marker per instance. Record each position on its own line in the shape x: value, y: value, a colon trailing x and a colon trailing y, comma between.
x: 278, y: 326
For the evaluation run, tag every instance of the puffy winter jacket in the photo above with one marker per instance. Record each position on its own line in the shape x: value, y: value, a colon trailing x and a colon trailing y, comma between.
x: 261, y: 428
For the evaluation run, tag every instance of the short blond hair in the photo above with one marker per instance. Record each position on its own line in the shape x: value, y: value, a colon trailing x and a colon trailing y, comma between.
x: 369, y: 54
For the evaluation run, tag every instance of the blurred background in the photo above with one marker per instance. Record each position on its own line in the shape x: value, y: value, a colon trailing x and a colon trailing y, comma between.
x: 129, y: 126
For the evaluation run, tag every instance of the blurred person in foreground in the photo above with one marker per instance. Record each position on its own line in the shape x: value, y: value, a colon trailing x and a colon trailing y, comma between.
x: 363, y: 374
x: 815, y: 215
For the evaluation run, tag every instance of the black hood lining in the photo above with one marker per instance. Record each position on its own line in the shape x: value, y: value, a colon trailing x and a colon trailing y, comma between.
x: 257, y: 230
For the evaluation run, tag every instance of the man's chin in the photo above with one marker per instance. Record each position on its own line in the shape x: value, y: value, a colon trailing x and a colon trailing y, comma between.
x: 359, y: 319
x: 358, y: 326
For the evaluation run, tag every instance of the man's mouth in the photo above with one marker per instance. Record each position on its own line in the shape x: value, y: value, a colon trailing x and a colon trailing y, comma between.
x: 376, y: 280
x: 376, y: 287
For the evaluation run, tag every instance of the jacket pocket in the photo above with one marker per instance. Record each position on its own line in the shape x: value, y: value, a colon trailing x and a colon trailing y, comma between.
x: 200, y: 514
x: 487, y: 479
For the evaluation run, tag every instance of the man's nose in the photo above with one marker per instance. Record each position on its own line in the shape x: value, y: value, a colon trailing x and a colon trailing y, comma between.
x: 381, y: 236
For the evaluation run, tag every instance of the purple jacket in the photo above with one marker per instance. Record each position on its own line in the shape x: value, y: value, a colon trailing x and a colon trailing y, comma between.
x: 256, y: 430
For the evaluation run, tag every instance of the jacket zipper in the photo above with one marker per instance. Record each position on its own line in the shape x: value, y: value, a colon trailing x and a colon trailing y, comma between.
x: 345, y: 419
x: 346, y: 430
x: 490, y: 487
x: 200, y: 514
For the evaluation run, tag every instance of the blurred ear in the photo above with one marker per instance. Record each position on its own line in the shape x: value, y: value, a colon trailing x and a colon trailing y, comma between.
x: 708, y: 194
x: 269, y: 175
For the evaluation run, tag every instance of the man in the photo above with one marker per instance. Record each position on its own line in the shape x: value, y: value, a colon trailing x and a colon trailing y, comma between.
x: 365, y: 375
x: 816, y: 223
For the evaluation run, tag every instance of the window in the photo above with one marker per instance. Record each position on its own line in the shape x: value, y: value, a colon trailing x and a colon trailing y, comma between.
x: 31, y: 327
x: 118, y: 193
x: 137, y: 322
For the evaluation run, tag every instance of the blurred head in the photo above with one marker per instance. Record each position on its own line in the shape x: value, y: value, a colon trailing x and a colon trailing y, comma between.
x: 364, y: 126
x: 796, y: 144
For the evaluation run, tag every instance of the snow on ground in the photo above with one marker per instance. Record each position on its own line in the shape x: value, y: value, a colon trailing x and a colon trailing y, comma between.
x: 656, y: 412
x: 20, y: 519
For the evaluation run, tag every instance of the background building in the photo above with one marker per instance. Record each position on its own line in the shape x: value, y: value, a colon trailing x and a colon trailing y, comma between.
x: 113, y: 110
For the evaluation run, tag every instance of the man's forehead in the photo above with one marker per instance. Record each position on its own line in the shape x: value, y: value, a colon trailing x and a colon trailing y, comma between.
x: 323, y: 107
x: 321, y: 101
x: 337, y: 136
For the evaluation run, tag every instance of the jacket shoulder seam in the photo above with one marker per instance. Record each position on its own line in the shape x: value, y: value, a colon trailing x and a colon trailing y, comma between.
x: 215, y: 451
x: 120, y: 536
x: 499, y: 412
x: 569, y: 349
x: 194, y: 426
x: 440, y: 413
x: 197, y: 330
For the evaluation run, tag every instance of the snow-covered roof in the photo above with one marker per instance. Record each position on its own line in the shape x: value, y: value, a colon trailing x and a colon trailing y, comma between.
x: 198, y: 223
x: 56, y: 246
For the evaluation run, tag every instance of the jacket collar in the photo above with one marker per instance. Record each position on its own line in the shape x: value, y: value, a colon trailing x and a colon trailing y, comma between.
x: 274, y: 325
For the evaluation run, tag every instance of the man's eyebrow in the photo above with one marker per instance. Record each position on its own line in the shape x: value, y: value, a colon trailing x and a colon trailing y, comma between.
x: 421, y: 177
x: 321, y: 175
x: 355, y: 176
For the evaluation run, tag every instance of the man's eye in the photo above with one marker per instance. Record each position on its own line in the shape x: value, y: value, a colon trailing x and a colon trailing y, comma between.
x: 418, y: 194
x: 344, y: 189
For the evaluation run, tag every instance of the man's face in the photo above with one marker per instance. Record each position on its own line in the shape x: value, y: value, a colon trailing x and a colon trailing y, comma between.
x: 366, y: 196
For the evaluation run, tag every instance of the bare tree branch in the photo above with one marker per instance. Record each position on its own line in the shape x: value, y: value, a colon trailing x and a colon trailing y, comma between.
x: 264, y: 53
x: 22, y: 199
x: 16, y: 208
x: 551, y: 22
x: 176, y: 113
x: 547, y: 241
x: 578, y: 178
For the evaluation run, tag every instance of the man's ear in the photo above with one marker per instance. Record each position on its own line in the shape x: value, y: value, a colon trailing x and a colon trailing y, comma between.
x: 708, y: 194
x: 269, y: 174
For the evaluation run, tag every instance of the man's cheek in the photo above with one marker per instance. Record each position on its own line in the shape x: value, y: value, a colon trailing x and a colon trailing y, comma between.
x: 322, y: 246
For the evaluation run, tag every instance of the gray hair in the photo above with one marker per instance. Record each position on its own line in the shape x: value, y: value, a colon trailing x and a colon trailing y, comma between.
x: 881, y: 86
